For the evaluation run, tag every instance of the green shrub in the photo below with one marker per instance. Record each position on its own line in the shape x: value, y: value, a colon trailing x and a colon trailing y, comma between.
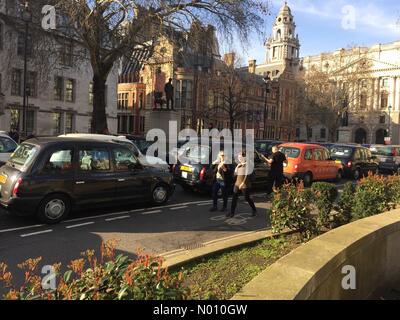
x: 291, y: 208
x: 113, y: 278
x: 373, y: 196
x: 345, y: 205
x: 324, y: 198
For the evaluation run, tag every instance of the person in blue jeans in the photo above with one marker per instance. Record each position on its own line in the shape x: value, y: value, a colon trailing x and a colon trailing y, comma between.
x: 221, y: 172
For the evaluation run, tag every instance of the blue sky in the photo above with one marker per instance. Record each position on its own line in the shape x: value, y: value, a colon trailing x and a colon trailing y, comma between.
x: 322, y: 25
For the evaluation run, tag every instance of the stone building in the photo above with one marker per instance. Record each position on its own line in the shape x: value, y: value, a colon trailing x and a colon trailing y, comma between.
x: 59, y: 79
x: 281, y: 67
x: 373, y: 113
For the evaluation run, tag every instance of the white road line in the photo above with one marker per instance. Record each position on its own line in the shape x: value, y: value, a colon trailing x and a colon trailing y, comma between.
x: 204, y: 204
x: 79, y: 225
x: 150, y: 212
x: 21, y: 228
x: 102, y: 215
x: 35, y: 233
x: 117, y: 218
x: 178, y: 208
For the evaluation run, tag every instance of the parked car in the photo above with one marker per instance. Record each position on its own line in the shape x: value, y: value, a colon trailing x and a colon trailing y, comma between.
x: 310, y: 162
x: 388, y: 157
x: 265, y: 146
x: 192, y: 172
x: 144, y: 159
x: 7, y: 147
x: 49, y: 177
x: 357, y: 160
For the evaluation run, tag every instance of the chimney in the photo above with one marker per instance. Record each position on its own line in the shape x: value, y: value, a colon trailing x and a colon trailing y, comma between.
x: 252, y: 66
x: 229, y: 59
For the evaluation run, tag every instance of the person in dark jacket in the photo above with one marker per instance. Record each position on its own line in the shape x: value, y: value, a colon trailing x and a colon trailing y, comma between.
x: 242, y: 184
x: 221, y: 172
x: 277, y: 161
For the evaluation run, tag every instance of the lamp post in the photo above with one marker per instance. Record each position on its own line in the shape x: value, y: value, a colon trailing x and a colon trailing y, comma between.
x: 267, y: 81
x: 26, y: 17
x: 390, y: 123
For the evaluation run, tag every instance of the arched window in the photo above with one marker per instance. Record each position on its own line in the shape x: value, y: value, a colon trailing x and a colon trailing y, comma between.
x: 278, y: 34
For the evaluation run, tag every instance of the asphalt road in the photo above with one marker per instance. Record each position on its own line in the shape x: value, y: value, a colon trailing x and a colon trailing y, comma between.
x: 184, y: 223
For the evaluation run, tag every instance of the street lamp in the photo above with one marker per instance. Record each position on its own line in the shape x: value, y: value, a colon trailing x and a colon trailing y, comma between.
x: 267, y: 81
x: 27, y: 18
x: 389, y: 129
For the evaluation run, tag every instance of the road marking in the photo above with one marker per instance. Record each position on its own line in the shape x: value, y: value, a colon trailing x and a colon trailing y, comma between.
x: 117, y: 218
x: 35, y: 233
x: 150, y: 212
x: 178, y: 208
x: 21, y: 228
x: 79, y: 225
x: 204, y: 204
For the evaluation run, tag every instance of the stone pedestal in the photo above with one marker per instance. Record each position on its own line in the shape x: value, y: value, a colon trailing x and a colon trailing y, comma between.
x: 344, y: 136
x: 160, y: 119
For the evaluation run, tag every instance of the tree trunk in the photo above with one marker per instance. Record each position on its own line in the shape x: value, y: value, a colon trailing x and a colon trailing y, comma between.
x: 99, y: 117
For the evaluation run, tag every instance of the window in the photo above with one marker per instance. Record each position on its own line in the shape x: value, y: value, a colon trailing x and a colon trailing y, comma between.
x: 57, y: 123
x: 31, y: 84
x: 363, y: 101
x: 69, y: 122
x: 319, y: 155
x: 323, y: 133
x: 70, y: 90
x: 308, y: 154
x: 142, y: 123
x: 382, y: 119
x: 124, y: 159
x: 290, y: 152
x: 385, y: 83
x: 24, y: 154
x: 94, y: 160
x: 21, y: 45
x: 60, y: 161
x: 384, y: 100
x: 123, y: 101
x: 91, y: 93
x: 66, y: 53
x: 16, y: 87
x: 14, y: 121
x: 7, y: 145
x: 141, y: 100
x: 58, y: 88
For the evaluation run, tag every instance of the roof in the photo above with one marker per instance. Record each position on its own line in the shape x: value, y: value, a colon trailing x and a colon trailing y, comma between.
x: 300, y: 145
x: 55, y: 140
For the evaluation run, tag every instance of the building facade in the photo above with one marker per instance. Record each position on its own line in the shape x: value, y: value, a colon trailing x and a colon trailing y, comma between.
x: 281, y: 68
x: 59, y: 79
x: 372, y: 115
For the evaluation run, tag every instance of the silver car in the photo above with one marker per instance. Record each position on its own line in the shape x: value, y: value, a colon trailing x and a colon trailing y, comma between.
x: 7, y: 147
x: 388, y: 157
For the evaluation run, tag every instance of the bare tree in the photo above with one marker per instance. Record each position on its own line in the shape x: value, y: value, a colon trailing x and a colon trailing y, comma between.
x: 339, y: 83
x: 231, y: 88
x: 115, y: 29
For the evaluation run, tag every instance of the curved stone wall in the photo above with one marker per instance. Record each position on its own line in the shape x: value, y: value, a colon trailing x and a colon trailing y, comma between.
x: 319, y: 268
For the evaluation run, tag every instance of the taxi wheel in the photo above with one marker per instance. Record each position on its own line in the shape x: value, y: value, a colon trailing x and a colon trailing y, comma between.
x: 53, y: 209
x: 160, y: 194
x: 307, y: 180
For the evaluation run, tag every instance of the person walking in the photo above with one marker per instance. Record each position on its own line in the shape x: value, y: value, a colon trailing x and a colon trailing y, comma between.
x: 276, y: 177
x: 242, y: 184
x: 221, y: 173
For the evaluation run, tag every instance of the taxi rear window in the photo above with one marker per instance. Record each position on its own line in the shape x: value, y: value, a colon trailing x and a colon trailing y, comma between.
x: 290, y: 152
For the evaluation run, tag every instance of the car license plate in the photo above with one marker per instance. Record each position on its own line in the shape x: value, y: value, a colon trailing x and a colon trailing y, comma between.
x: 338, y: 161
x: 3, y: 178
x: 186, y: 168
x: 184, y: 174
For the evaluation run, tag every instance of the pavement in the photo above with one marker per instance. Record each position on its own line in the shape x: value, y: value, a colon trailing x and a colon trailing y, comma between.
x: 185, y: 223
